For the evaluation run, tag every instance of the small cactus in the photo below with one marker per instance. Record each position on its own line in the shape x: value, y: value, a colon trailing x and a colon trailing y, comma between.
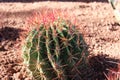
x: 55, y: 51
x: 116, y: 7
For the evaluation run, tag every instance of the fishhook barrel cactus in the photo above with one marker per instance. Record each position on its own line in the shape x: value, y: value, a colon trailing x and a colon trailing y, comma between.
x: 55, y: 51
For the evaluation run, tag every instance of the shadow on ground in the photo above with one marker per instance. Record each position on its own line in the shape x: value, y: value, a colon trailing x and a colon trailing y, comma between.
x: 104, y: 67
x: 54, y: 0
x: 9, y: 33
x: 8, y: 37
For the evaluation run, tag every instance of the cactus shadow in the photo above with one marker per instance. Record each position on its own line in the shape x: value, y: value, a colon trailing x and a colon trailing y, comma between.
x: 9, y: 33
x: 8, y: 37
x: 104, y: 67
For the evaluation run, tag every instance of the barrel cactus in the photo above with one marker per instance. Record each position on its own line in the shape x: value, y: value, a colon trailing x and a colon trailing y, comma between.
x: 55, y: 51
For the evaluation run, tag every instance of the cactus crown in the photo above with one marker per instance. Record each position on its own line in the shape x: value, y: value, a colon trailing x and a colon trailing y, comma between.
x: 55, y: 51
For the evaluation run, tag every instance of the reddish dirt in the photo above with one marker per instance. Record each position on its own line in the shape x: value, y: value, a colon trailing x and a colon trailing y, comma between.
x: 96, y: 23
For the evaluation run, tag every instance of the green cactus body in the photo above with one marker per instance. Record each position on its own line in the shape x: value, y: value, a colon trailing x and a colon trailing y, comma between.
x: 55, y: 52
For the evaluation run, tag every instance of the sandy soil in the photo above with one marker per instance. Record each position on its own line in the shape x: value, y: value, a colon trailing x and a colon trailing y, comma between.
x: 96, y: 21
